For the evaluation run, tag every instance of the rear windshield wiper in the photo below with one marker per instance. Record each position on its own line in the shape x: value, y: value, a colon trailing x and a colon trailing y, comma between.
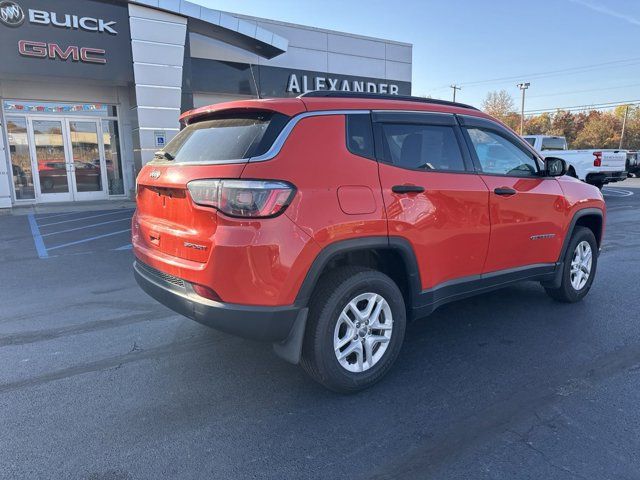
x: 163, y: 155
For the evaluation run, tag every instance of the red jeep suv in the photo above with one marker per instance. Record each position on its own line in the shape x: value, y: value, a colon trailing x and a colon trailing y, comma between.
x: 323, y: 223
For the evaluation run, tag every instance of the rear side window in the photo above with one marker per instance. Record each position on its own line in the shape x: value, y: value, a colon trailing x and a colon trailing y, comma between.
x: 422, y: 147
x: 226, y: 137
x: 530, y: 140
x: 360, y: 135
x: 554, y: 143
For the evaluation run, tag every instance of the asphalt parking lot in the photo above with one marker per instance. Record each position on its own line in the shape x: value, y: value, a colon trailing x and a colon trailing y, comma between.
x: 99, y: 382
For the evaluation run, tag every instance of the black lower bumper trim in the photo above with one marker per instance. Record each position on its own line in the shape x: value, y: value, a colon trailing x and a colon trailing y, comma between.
x: 271, y: 324
x: 605, y: 177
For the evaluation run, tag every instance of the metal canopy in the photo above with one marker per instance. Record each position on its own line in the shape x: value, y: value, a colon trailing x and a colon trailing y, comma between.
x: 239, y: 32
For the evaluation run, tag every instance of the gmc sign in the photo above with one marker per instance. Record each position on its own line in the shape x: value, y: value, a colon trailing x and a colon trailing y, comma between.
x: 51, y: 40
x: 28, y: 48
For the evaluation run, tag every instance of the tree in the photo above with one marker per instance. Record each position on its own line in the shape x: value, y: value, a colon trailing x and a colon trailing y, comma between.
x: 601, y: 130
x: 563, y: 125
x: 538, y: 125
x: 499, y: 104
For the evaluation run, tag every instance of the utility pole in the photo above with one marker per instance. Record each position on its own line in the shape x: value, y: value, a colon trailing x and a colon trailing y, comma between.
x: 624, y: 125
x: 455, y: 87
x: 522, y: 86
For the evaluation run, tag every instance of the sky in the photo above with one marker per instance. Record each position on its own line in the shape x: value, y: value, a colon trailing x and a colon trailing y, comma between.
x: 573, y: 52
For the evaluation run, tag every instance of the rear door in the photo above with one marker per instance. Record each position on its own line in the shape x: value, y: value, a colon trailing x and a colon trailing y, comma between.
x: 432, y: 196
x: 526, y: 209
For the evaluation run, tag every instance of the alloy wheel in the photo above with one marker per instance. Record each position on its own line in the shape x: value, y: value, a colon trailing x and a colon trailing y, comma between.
x: 363, y: 332
x: 581, y: 265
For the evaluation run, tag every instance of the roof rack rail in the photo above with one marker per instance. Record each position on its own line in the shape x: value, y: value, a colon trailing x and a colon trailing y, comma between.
x: 381, y: 96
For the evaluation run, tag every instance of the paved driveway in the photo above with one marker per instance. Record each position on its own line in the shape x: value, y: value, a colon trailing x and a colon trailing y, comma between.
x: 98, y: 381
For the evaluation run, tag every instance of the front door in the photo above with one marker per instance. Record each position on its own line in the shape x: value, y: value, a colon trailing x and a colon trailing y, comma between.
x: 69, y: 159
x: 50, y: 154
x: 86, y: 161
x: 526, y: 209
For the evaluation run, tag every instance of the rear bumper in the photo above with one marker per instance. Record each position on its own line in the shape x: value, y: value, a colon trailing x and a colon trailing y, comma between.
x: 271, y: 324
x: 606, y: 177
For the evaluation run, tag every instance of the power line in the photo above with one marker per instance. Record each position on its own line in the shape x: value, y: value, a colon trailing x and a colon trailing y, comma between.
x: 577, y: 69
x: 594, y: 106
x: 585, y: 91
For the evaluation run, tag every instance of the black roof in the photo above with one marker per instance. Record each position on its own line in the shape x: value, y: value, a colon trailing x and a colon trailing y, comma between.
x: 381, y: 96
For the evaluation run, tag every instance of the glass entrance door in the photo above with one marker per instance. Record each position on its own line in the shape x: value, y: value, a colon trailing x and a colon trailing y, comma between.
x: 87, y: 160
x: 50, y: 154
x: 70, y: 159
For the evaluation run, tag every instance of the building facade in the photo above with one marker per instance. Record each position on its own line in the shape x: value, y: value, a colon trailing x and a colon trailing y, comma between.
x: 90, y: 89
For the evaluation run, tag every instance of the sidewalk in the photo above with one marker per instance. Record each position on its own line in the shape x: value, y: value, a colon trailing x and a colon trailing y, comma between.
x: 69, y: 207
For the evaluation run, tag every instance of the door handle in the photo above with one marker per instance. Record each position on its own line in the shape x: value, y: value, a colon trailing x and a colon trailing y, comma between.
x: 504, y: 191
x: 407, y: 189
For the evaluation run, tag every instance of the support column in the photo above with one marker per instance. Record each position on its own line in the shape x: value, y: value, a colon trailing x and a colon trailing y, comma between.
x: 157, y: 44
x: 6, y: 173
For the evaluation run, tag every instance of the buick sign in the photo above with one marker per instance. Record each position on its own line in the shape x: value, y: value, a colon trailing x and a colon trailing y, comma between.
x: 11, y: 14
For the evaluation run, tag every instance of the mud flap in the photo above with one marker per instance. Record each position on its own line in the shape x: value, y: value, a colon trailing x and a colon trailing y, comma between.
x: 290, y: 349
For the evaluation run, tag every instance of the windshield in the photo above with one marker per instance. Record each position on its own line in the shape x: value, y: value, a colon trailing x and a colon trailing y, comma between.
x: 554, y: 143
x: 228, y: 137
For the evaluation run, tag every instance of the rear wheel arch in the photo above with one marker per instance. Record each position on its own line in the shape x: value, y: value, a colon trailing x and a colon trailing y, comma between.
x: 393, y: 256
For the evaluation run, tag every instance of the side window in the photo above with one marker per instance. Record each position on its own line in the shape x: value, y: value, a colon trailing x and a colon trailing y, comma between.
x: 360, y: 135
x: 500, y: 156
x: 422, y: 147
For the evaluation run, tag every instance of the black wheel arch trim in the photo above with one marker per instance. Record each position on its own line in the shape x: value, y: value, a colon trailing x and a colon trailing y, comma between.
x: 398, y: 244
x: 584, y: 212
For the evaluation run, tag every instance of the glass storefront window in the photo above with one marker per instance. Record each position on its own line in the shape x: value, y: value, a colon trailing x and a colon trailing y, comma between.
x: 113, y: 164
x: 86, y: 155
x: 50, y: 156
x: 20, y: 158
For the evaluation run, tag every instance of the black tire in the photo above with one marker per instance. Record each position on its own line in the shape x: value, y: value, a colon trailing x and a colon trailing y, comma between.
x: 334, y: 291
x: 572, y: 172
x: 598, y: 185
x: 566, y: 292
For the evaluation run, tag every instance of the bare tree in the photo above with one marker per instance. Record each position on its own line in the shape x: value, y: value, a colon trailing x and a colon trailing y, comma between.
x: 499, y: 104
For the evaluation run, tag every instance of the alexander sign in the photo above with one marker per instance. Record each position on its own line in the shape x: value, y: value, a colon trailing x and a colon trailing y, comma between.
x: 67, y: 38
x: 306, y: 83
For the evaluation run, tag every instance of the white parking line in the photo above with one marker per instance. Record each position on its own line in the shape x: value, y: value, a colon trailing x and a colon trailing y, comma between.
x: 84, y: 240
x: 616, y: 192
x: 86, y: 218
x: 86, y: 226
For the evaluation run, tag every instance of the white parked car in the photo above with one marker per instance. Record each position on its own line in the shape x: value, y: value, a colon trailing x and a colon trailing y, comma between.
x: 597, y: 167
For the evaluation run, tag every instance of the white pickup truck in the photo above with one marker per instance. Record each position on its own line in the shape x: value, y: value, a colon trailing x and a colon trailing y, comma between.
x: 596, y: 167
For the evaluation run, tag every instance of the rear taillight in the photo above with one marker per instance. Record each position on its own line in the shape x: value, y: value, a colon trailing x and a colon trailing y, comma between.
x: 597, y: 162
x: 243, y: 198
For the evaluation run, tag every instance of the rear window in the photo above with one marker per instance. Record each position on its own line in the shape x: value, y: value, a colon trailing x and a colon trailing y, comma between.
x: 226, y: 137
x: 553, y: 143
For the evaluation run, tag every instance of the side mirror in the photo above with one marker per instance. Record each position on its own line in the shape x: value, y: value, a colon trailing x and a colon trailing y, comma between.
x: 555, y: 167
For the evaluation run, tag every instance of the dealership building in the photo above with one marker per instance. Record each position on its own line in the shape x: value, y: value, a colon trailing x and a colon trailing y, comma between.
x: 90, y: 89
